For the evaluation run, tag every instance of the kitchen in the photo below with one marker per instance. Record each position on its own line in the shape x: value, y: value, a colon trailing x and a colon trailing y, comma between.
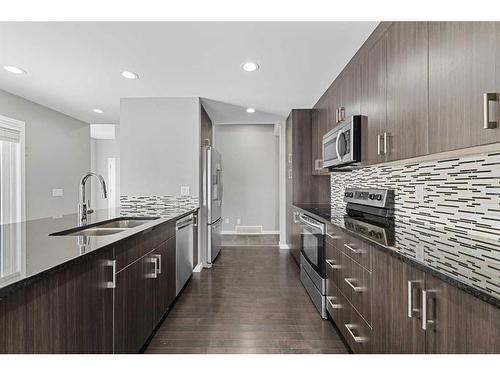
x: 170, y: 217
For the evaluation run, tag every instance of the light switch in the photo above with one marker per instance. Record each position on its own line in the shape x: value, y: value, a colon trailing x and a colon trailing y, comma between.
x: 238, y: 221
x: 184, y: 190
x: 57, y: 192
x: 226, y: 220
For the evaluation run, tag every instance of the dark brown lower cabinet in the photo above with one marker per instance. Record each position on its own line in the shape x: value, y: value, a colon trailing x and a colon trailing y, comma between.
x: 458, y: 322
x: 164, y: 288
x: 134, y: 304
x: 70, y: 311
x: 393, y: 330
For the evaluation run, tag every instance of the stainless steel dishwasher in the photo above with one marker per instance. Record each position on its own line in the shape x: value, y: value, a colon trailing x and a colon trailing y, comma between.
x: 184, y: 251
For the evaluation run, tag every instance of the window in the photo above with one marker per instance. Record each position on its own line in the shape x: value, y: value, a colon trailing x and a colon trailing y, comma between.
x: 12, y: 197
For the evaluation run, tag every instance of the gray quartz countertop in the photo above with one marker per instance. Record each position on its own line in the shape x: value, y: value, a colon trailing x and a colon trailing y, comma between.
x: 468, y: 260
x: 29, y: 251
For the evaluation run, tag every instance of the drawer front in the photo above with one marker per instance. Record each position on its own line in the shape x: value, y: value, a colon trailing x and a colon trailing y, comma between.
x: 129, y: 251
x: 334, y: 236
x: 355, y: 284
x: 338, y: 307
x: 356, y: 332
x: 358, y: 250
x: 333, y: 264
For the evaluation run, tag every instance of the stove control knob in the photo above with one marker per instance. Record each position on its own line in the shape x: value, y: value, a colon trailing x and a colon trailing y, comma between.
x: 371, y: 196
x: 379, y: 197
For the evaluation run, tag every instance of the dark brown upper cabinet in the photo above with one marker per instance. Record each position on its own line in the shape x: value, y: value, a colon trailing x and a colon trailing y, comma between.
x: 464, y: 63
x: 374, y: 102
x: 319, y: 126
x: 407, y: 99
x: 349, y: 90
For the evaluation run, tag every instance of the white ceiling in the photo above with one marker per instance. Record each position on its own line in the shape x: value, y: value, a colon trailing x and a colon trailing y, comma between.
x: 75, y: 67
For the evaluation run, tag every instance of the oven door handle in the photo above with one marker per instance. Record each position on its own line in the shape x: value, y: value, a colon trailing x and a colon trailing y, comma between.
x: 303, y: 220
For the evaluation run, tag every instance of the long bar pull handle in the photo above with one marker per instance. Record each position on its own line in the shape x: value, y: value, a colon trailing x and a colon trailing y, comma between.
x: 378, y: 144
x: 425, y: 320
x: 489, y: 122
x: 333, y: 237
x: 333, y: 304
x: 355, y: 251
x: 357, y: 339
x: 111, y: 284
x: 333, y: 265
x: 385, y: 143
x: 158, y: 264
x: 411, y: 309
x: 357, y: 289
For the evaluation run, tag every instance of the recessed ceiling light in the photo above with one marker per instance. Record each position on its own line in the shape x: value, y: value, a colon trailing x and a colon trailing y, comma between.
x: 97, y: 110
x: 250, y: 110
x: 130, y: 75
x: 250, y: 66
x: 14, y: 69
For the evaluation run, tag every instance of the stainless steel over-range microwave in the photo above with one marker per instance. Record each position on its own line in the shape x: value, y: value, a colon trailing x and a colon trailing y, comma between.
x: 342, y: 144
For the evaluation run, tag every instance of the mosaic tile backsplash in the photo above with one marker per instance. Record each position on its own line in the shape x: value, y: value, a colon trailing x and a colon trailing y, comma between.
x: 152, y: 205
x: 458, y: 220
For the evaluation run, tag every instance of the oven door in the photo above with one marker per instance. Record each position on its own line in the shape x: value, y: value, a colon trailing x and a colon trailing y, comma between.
x: 312, y: 243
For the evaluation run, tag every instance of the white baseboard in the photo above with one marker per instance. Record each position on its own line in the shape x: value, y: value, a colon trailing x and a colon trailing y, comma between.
x: 284, y: 246
x: 198, y: 267
x: 233, y: 232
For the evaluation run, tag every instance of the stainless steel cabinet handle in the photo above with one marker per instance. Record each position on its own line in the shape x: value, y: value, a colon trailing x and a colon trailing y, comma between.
x: 318, y: 164
x: 357, y: 339
x: 334, y: 266
x: 385, y: 143
x: 489, y: 122
x: 357, y: 289
x: 289, y: 174
x: 295, y: 215
x: 112, y: 284
x: 153, y: 260
x: 341, y: 114
x: 332, y: 303
x: 333, y: 237
x: 158, y: 264
x: 378, y: 144
x: 425, y: 320
x: 355, y: 251
x: 195, y: 220
x: 411, y: 309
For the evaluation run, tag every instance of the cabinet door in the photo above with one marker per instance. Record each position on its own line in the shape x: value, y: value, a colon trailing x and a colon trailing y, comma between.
x: 407, y: 94
x: 318, y: 130
x: 332, y: 102
x: 134, y: 304
x: 295, y: 238
x: 289, y: 177
x: 68, y: 312
x: 164, y: 288
x: 463, y: 65
x: 459, y: 322
x: 350, y: 90
x: 373, y: 102
x: 393, y: 330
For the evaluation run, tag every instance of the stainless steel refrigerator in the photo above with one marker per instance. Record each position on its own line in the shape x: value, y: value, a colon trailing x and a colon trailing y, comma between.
x: 212, y: 191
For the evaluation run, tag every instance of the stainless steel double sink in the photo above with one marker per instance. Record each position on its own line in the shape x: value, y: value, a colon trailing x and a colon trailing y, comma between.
x: 106, y: 228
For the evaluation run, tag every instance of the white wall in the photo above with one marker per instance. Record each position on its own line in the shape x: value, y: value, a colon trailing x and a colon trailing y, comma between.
x: 101, y: 150
x: 250, y: 156
x: 57, y: 155
x: 160, y: 149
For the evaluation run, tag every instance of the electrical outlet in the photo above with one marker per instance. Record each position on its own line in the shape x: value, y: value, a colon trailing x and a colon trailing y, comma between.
x: 57, y: 192
x: 238, y: 221
x: 419, y: 252
x: 226, y: 220
x: 419, y: 193
x: 184, y: 190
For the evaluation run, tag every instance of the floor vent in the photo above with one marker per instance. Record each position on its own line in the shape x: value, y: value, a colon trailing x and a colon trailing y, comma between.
x: 248, y: 229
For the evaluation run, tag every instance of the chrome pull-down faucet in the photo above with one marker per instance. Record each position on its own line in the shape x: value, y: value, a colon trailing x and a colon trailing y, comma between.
x: 83, y: 204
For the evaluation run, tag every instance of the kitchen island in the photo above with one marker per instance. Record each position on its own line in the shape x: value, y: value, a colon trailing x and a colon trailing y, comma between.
x: 86, y: 294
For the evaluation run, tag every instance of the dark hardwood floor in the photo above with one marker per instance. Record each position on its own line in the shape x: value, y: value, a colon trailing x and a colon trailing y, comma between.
x: 251, y: 301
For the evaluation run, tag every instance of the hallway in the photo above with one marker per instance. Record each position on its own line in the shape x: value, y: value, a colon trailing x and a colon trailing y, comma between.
x: 251, y: 301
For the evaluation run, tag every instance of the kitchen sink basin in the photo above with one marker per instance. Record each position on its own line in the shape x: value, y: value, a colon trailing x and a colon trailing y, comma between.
x: 107, y: 228
x: 124, y: 223
x: 95, y: 232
